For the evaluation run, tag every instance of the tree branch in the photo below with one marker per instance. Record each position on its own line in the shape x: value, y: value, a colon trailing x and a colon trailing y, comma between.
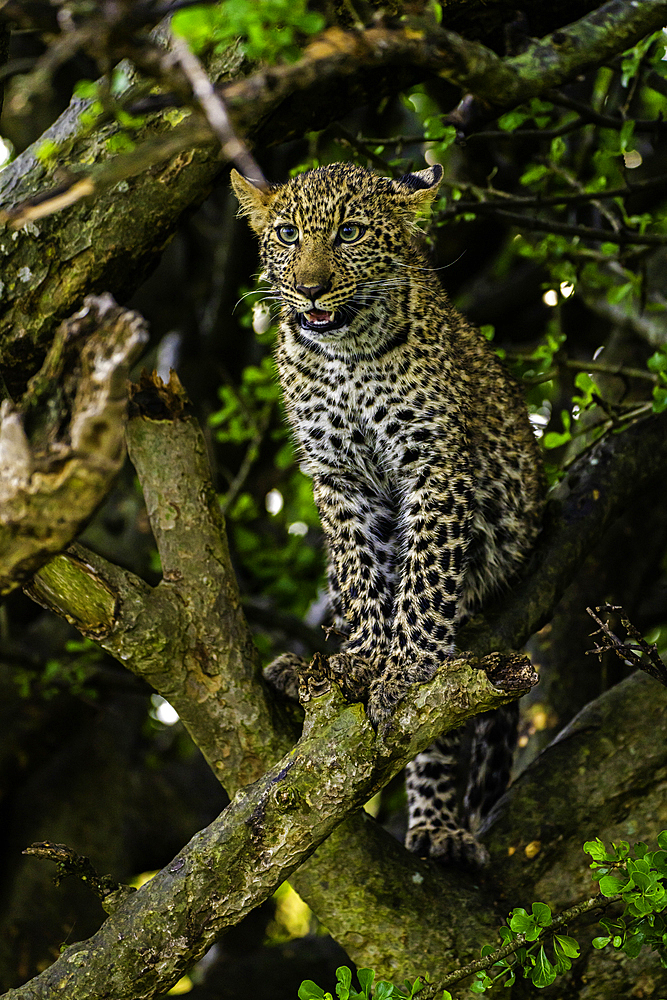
x: 103, y: 246
x: 62, y: 447
x: 263, y: 835
x: 172, y: 636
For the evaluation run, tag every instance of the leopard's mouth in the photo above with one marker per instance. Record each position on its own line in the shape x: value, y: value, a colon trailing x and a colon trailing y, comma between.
x: 322, y: 322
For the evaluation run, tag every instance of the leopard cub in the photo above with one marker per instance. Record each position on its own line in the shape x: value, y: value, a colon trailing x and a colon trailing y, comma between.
x: 425, y: 469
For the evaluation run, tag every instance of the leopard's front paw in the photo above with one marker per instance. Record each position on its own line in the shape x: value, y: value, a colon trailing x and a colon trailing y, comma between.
x: 353, y: 674
x: 282, y: 674
x: 396, y: 680
x: 446, y: 843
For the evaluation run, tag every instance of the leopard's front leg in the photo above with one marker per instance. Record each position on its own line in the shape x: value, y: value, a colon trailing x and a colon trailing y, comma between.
x: 360, y: 527
x: 435, y: 523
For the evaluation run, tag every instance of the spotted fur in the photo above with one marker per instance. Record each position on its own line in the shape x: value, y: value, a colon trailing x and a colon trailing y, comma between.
x: 424, y: 466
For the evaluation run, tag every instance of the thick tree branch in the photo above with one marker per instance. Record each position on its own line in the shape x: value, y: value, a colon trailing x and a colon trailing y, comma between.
x: 104, y: 246
x: 263, y: 836
x: 62, y: 447
x: 606, y: 767
x: 181, y: 654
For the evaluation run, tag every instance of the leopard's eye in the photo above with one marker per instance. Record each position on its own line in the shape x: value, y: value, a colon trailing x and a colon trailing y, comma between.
x: 288, y: 234
x: 349, y: 232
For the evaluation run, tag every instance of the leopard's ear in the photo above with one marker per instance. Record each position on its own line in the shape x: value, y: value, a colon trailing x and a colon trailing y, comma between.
x: 419, y: 188
x: 254, y: 201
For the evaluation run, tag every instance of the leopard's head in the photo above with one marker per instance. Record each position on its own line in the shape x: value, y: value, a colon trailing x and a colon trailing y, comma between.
x: 336, y: 240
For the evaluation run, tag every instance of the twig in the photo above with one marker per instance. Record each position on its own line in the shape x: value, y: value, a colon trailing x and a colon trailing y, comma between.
x: 68, y: 862
x: 605, y: 121
x: 627, y: 651
x: 216, y: 113
x: 249, y: 459
x: 596, y: 902
x: 484, y: 204
x: 622, y: 237
x: 620, y: 371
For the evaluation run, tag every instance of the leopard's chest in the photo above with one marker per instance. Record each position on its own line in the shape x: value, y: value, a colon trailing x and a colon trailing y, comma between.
x: 374, y: 421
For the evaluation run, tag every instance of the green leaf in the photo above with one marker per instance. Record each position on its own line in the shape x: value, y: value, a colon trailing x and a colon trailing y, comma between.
x: 520, y: 921
x: 659, y: 399
x: 344, y: 977
x: 558, y: 149
x: 642, y: 880
x: 601, y: 942
x: 555, y: 440
x: 658, y: 361
x: 542, y: 914
x: 626, y: 134
x: 533, y: 174
x: 512, y: 119
x: 544, y: 973
x: 365, y: 977
x: 610, y: 885
x: 597, y: 850
x: 633, y: 945
x: 310, y: 991
x: 569, y: 945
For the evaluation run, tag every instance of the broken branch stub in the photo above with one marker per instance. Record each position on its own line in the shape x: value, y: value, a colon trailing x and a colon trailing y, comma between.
x: 62, y: 445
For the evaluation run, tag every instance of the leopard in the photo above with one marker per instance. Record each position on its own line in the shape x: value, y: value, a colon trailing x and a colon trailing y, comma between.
x: 425, y: 468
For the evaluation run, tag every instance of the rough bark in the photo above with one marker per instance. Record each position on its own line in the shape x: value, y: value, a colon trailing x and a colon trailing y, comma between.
x: 167, y: 636
x: 263, y: 836
x: 112, y: 243
x: 61, y: 449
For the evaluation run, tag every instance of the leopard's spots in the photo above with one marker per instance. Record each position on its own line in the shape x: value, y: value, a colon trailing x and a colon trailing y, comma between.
x: 426, y: 472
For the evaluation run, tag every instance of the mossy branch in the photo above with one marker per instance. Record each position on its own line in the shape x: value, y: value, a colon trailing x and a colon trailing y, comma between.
x: 268, y: 830
x: 421, y: 49
x: 188, y: 638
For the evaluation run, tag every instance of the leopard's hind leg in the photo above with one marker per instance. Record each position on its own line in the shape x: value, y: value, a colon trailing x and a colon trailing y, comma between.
x: 493, y: 746
x: 434, y: 828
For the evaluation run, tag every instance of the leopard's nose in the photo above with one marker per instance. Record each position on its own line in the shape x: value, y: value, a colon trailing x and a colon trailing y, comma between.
x: 313, y: 292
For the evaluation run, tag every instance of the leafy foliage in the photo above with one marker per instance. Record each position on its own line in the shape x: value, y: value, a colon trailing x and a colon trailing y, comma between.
x: 269, y: 30
x: 381, y: 990
x: 533, y: 946
x: 70, y: 673
x: 641, y: 883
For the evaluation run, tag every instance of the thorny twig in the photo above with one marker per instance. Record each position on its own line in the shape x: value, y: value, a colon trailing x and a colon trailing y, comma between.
x: 635, y: 652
